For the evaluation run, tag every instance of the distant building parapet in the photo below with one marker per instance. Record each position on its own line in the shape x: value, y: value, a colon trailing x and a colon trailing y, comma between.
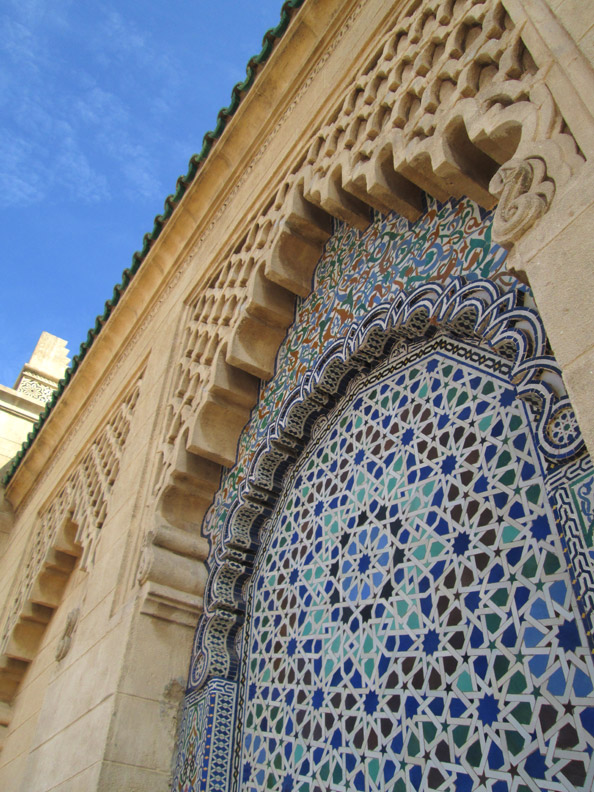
x: 20, y: 406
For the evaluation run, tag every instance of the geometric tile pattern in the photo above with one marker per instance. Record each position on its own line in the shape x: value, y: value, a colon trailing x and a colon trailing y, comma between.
x: 201, y: 762
x: 572, y: 492
x: 412, y: 622
x: 534, y: 663
x: 359, y: 269
x: 193, y: 751
x: 439, y: 314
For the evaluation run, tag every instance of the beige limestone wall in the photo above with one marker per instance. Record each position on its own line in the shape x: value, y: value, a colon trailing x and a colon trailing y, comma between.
x: 103, y: 716
x: 80, y: 719
x: 576, y: 17
x: 557, y: 262
x: 555, y: 256
x: 17, y: 415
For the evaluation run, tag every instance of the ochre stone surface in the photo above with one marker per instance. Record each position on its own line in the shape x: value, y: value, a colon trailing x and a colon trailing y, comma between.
x: 359, y: 109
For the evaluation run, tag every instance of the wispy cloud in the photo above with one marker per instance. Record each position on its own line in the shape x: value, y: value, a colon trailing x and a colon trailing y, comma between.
x: 18, y: 44
x: 68, y: 128
x: 20, y: 183
x: 118, y: 41
x: 101, y: 109
x: 74, y: 174
x: 116, y: 38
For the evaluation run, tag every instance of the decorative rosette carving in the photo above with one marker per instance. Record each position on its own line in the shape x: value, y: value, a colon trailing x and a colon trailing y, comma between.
x: 525, y: 194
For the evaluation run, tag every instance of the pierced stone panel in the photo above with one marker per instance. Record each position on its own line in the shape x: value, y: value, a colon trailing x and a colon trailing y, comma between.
x: 224, y: 348
x: 37, y: 388
x: 452, y: 95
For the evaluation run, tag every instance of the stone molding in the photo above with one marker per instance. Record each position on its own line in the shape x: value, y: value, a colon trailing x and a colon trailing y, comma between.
x: 170, y: 604
x: 18, y: 404
x: 5, y: 716
x: 6, y: 516
x: 476, y: 312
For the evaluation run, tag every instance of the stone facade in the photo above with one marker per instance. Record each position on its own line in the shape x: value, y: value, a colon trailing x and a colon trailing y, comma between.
x: 313, y: 509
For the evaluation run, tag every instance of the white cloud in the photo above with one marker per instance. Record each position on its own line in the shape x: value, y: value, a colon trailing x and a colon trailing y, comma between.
x: 122, y: 38
x: 19, y: 45
x: 141, y: 178
x: 101, y: 109
x: 73, y: 173
x: 59, y: 123
x: 21, y: 184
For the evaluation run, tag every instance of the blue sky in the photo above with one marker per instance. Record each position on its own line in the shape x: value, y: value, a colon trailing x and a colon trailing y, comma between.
x: 101, y: 106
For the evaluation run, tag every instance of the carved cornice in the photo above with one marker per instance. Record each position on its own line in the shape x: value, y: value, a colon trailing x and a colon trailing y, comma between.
x: 64, y: 535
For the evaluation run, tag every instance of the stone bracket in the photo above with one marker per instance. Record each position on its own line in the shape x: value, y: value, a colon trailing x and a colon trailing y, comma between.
x: 25, y: 627
x: 172, y: 574
x: 169, y: 604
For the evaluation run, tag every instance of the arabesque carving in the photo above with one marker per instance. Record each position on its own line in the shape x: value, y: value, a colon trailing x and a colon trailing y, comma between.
x: 36, y: 388
x: 525, y: 194
x: 452, y: 103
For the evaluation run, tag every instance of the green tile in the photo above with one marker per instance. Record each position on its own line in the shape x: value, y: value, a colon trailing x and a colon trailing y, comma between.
x: 514, y: 741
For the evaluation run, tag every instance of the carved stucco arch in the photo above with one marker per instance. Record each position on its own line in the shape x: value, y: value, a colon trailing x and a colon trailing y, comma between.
x: 476, y: 312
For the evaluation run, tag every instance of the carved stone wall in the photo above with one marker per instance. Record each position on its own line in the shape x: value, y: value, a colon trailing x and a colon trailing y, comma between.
x: 397, y: 144
x: 65, y: 536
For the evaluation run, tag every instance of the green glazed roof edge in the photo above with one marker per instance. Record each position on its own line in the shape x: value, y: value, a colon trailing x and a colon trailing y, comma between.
x: 271, y: 37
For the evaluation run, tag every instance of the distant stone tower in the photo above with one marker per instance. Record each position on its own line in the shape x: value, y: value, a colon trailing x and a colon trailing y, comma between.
x: 21, y: 405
